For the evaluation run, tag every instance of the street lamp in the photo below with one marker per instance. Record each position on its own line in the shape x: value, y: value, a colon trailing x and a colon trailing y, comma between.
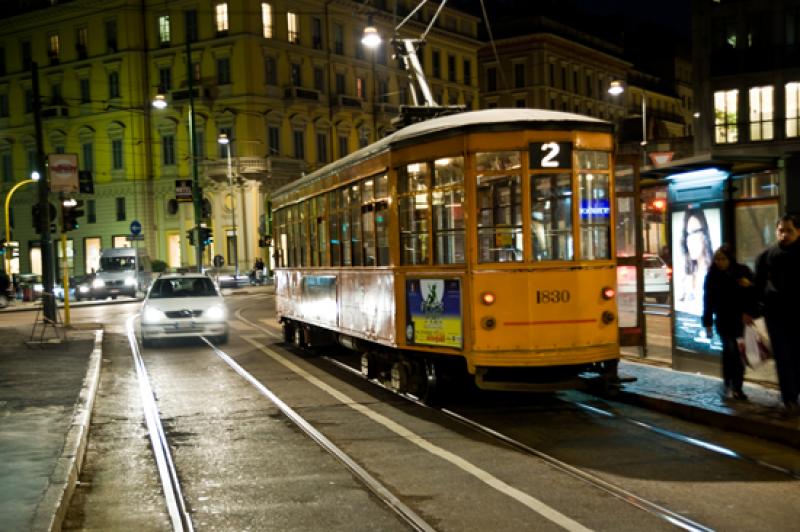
x: 34, y: 179
x: 160, y: 102
x: 225, y: 141
x: 617, y: 87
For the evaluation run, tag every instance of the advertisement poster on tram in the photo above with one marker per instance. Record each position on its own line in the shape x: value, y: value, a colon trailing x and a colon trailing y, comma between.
x: 696, y: 233
x: 433, y: 312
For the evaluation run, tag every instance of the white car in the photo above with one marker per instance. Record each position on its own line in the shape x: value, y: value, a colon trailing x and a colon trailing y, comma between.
x: 183, y: 306
x: 657, y: 278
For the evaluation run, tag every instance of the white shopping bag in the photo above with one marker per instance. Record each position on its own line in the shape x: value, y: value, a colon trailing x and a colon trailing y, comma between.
x: 754, y: 345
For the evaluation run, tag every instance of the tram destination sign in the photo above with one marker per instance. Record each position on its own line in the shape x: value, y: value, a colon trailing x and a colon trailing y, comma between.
x: 545, y: 155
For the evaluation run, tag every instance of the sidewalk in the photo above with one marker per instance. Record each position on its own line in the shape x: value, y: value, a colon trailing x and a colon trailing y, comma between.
x: 47, y: 395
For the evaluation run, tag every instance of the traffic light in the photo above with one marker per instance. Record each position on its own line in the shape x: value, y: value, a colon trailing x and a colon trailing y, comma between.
x: 190, y: 236
x: 71, y: 213
x: 205, y: 236
x: 85, y: 182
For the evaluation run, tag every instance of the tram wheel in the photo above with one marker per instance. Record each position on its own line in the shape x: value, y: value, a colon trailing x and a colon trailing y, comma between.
x: 368, y: 364
x: 398, y: 381
x: 427, y: 383
x: 299, y: 337
x: 288, y: 332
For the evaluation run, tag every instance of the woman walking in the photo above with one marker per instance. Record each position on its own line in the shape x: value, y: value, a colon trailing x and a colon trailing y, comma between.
x: 728, y: 304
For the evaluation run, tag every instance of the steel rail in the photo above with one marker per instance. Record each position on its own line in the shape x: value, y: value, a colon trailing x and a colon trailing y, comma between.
x: 176, y: 506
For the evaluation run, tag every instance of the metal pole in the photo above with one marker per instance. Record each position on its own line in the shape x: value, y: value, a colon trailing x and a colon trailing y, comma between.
x: 644, y: 129
x: 233, y: 214
x: 196, y: 194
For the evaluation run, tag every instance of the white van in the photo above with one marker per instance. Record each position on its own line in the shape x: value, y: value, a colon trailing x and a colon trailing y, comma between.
x: 123, y: 271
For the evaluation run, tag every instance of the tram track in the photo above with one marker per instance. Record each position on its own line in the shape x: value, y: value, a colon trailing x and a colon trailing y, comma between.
x: 620, y: 493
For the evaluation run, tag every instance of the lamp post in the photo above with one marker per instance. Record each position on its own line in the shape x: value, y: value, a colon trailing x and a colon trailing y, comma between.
x: 34, y: 178
x: 160, y: 102
x: 617, y: 87
x: 225, y: 141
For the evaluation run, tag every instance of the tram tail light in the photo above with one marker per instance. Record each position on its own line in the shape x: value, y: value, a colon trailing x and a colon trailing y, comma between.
x: 669, y: 273
x: 487, y: 298
x: 609, y: 293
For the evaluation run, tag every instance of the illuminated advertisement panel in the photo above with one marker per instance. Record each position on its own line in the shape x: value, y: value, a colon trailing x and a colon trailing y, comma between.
x: 696, y: 233
x: 433, y: 312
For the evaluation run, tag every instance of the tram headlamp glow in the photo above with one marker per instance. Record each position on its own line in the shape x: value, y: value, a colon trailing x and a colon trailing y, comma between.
x: 217, y: 312
x: 487, y: 298
x: 609, y: 293
x: 152, y: 315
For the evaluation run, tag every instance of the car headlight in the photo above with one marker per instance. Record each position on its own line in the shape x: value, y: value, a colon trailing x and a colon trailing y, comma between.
x: 83, y: 289
x: 130, y: 281
x: 98, y: 283
x: 217, y: 312
x: 152, y: 315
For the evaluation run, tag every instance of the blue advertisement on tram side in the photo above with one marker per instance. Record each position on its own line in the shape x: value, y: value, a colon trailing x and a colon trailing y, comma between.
x: 594, y: 208
x: 433, y: 312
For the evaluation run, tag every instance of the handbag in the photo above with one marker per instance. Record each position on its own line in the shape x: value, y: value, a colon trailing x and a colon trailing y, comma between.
x: 755, y: 346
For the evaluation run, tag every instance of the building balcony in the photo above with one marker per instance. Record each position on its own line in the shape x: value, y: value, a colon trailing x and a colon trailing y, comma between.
x: 343, y: 102
x: 55, y: 111
x: 301, y: 94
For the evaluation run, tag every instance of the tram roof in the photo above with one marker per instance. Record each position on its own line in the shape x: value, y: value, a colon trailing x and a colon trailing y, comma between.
x: 483, y: 120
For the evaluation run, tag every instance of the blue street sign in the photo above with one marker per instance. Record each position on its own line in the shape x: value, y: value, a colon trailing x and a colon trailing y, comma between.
x: 136, y: 227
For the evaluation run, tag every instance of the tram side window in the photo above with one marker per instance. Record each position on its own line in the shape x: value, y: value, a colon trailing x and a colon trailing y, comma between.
x: 313, y: 239
x: 334, y: 223
x: 551, y: 217
x: 382, y: 218
x: 448, y: 212
x: 347, y: 245
x: 355, y: 224
x: 302, y: 234
x: 321, y: 222
x: 499, y: 219
x: 281, y: 241
x: 413, y: 206
x: 595, y: 211
x: 368, y: 221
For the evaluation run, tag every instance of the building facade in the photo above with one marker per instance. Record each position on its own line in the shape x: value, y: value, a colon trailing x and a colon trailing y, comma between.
x: 288, y: 83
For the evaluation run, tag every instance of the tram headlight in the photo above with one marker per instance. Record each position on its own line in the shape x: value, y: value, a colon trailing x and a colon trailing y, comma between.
x: 607, y: 317
x: 488, y: 323
x: 608, y: 292
x: 487, y: 298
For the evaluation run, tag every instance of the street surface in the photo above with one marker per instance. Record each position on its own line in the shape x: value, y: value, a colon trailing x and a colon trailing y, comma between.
x: 244, y: 466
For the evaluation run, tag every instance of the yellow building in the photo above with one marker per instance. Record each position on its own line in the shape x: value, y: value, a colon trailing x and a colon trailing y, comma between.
x: 289, y: 84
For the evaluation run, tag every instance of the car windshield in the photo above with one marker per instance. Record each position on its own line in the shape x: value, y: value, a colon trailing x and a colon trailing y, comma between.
x: 117, y: 264
x: 183, y: 287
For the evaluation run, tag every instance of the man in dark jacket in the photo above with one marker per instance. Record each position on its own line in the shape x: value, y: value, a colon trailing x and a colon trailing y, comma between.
x: 778, y: 286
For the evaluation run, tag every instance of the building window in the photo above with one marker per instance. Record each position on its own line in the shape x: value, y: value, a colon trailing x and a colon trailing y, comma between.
x: 293, y: 28
x: 383, y: 91
x: 165, y: 79
x: 437, y: 64
x: 55, y: 95
x: 28, y: 101
x: 299, y: 144
x: 87, y: 150
x: 266, y: 19
x: 223, y: 71
x: 121, y: 216
x: 225, y: 149
x: 274, y: 137
x: 3, y: 105
x: 319, y: 79
x: 519, y: 75
x: 91, y: 211
x: 82, y: 42
x: 491, y: 79
x: 761, y: 113
x: 725, y: 116
x: 520, y: 102
x: 116, y: 154
x: 163, y: 30
x: 322, y: 148
x: 341, y: 87
x: 338, y: 39
x: 86, y: 95
x: 111, y: 35
x: 2, y: 61
x: 793, y: 109
x: 53, y: 47
x: 316, y: 33
x: 168, y: 150
x: 27, y: 58
x: 359, y: 48
x: 190, y: 24
x: 8, y: 167
x: 361, y: 88
x: 270, y: 71
x: 343, y: 146
x: 451, y: 68
x: 221, y: 17
x: 467, y: 72
x: 113, y: 84
x: 296, y: 74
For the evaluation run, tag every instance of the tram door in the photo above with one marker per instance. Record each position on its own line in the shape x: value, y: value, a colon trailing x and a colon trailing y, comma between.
x: 630, y: 280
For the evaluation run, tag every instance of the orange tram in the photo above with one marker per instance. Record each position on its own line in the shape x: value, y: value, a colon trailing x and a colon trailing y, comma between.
x: 477, y: 244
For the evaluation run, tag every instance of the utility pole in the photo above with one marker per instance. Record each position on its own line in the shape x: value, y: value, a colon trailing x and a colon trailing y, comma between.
x: 48, y: 264
x: 196, y: 193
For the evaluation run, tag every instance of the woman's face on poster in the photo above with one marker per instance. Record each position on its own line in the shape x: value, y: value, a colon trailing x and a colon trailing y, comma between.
x: 695, y: 240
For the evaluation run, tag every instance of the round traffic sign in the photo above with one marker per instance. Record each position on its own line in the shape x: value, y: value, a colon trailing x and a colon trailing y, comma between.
x: 136, y: 227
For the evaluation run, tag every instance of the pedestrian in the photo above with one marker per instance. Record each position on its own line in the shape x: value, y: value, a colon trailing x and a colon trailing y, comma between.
x: 5, y: 292
x: 778, y: 288
x: 728, y: 302
x: 259, y: 269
